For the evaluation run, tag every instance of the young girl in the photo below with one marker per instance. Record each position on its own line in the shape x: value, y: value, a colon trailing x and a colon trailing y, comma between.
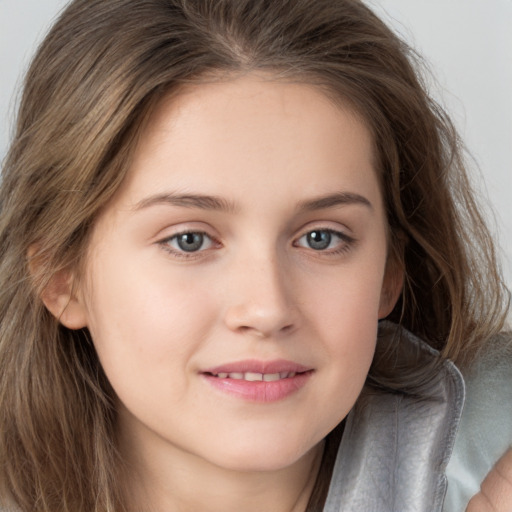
x: 208, y: 208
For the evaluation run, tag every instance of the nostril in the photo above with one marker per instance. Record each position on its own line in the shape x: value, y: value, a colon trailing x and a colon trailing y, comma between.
x: 253, y: 330
x: 262, y: 333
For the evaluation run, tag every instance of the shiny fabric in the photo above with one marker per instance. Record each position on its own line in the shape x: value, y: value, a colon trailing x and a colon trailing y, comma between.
x: 396, y: 445
x: 485, y: 431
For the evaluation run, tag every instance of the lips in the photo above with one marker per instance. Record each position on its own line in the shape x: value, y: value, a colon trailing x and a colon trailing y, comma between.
x: 259, y: 381
x: 255, y: 366
x: 255, y: 376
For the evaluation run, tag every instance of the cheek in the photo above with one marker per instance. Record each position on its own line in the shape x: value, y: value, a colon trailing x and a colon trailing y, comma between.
x: 345, y: 317
x: 348, y: 300
x: 143, y: 325
x: 350, y: 332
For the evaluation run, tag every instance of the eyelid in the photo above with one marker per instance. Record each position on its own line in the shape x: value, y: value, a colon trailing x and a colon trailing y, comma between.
x: 324, y: 225
x: 164, y: 243
x: 346, y: 241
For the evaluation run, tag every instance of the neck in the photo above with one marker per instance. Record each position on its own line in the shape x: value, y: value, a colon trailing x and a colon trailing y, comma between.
x: 167, y: 480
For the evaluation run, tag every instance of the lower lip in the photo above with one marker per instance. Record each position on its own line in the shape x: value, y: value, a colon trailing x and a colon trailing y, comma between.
x: 260, y: 391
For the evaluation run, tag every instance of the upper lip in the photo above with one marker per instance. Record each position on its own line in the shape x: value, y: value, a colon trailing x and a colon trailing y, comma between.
x: 255, y: 366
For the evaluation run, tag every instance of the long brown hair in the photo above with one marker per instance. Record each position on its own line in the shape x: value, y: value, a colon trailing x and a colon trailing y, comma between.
x: 87, y: 95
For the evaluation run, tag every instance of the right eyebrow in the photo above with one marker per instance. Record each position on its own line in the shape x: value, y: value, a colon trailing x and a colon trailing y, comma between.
x: 201, y: 201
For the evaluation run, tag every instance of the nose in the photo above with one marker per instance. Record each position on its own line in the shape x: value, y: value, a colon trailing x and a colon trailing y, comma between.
x: 261, y: 299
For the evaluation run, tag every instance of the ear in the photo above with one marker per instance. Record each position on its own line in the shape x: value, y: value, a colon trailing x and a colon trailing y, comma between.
x: 60, y: 299
x: 391, y: 287
x: 59, y: 295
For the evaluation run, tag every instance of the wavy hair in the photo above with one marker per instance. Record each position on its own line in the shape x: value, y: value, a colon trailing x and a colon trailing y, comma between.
x: 87, y: 96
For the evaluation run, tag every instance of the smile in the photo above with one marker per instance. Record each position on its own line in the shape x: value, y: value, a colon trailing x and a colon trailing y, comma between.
x: 259, y: 381
x: 255, y: 377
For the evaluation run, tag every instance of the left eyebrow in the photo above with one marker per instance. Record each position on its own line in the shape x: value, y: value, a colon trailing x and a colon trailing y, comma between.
x: 333, y: 200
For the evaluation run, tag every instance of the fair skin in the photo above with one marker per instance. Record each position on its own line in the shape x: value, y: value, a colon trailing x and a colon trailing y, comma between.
x: 249, y: 241
x: 260, y: 292
x: 496, y: 490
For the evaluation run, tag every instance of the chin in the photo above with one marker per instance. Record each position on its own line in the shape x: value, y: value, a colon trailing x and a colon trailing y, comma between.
x: 263, y: 457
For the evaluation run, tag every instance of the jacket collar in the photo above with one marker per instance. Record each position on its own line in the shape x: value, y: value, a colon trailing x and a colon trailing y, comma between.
x: 396, y: 444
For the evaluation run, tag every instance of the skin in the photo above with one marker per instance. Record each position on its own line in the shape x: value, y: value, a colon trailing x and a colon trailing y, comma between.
x: 255, y: 289
x: 496, y: 490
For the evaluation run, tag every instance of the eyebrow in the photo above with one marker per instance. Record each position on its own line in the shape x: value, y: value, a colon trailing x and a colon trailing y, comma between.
x: 334, y: 200
x: 208, y: 202
x: 203, y: 202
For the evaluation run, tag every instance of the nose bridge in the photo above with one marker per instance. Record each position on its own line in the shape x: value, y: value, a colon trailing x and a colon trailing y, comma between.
x: 261, y: 298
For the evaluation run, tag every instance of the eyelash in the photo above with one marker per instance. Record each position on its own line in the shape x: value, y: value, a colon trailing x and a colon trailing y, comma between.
x: 181, y: 253
x: 346, y: 242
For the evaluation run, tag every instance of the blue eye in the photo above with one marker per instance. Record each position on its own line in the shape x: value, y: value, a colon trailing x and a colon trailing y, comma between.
x: 319, y: 240
x: 192, y: 241
x: 324, y: 239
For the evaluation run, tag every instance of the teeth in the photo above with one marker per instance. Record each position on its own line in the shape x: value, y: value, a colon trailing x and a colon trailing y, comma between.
x: 255, y: 377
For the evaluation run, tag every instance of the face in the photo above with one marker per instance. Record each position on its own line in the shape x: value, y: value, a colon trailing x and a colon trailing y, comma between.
x: 233, y: 286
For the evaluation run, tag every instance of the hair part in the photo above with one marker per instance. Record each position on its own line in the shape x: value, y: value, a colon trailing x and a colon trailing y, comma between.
x: 88, y: 94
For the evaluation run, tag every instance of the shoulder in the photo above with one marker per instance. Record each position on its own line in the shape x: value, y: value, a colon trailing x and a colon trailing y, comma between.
x: 485, y: 430
x: 429, y: 447
x: 397, y: 443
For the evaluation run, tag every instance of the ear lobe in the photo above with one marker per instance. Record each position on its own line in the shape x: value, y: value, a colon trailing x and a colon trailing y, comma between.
x: 59, y: 295
x: 391, y: 288
x: 60, y: 299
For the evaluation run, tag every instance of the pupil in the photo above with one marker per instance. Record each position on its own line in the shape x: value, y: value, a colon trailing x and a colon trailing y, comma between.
x: 190, y: 242
x: 319, y: 240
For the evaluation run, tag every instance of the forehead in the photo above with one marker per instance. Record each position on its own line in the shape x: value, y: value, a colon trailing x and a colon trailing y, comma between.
x: 255, y: 101
x: 256, y: 130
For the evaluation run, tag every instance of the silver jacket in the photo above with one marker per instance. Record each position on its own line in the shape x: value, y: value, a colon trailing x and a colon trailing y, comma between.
x: 396, y: 445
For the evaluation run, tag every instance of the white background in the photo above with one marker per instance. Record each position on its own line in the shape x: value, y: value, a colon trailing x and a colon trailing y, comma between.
x: 468, y: 44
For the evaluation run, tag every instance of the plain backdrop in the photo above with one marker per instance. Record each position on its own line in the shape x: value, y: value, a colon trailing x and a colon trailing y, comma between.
x: 467, y: 44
